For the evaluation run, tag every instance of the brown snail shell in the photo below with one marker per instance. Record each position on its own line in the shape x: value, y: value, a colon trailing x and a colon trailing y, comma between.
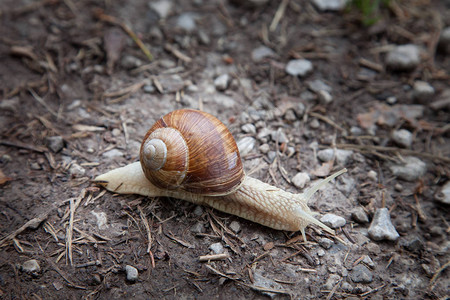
x: 193, y: 151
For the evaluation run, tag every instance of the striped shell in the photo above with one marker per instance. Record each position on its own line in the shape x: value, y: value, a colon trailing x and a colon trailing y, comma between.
x: 192, y: 151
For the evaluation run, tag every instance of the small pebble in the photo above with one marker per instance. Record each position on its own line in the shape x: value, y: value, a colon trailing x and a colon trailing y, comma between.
x: 264, y: 148
x: 186, y: 21
x: 246, y: 145
x: 221, y: 83
x: 299, y: 67
x: 402, y: 138
x: 130, y: 62
x: 398, y: 187
x: 249, y: 128
x: 318, y: 85
x: 342, y: 156
x: 266, y: 284
x: 320, y: 252
x: 391, y: 100
x: 35, y: 165
x: 403, y: 58
x: 325, y: 97
x: 368, y: 261
x: 330, y: 5
x: 300, y: 180
x: 372, y: 175
x: 410, y: 169
x: 314, y: 124
x: 132, y: 273
x: 325, y: 243
x: 413, y: 244
x: 381, y: 227
x: 198, y: 227
x: 443, y: 195
x: 31, y: 266
x: 279, y: 136
x: 271, y: 156
x: 198, y: 211
x: 359, y: 215
x: 333, y: 221
x: 55, y: 143
x: 422, y: 90
x: 163, y: 8
x: 261, y: 52
x: 112, y: 153
x: 76, y: 170
x: 235, y: 226
x: 361, y: 274
x: 148, y: 88
x: 216, y: 248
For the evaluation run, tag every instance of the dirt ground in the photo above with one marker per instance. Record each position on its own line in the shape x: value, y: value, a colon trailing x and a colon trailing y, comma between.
x: 79, y: 91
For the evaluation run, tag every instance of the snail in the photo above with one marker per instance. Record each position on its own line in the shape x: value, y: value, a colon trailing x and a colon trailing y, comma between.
x: 191, y: 155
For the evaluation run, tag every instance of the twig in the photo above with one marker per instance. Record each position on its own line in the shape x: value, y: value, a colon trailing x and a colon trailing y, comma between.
x: 435, y: 276
x: 33, y: 223
x: 42, y: 102
x: 326, y: 120
x: 208, y: 258
x: 149, y: 235
x: 64, y: 276
x: 278, y: 15
x: 21, y: 145
x: 69, y: 234
x: 178, y: 53
x: 134, y: 37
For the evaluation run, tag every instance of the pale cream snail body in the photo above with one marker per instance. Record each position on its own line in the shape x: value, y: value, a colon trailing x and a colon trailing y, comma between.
x: 191, y: 155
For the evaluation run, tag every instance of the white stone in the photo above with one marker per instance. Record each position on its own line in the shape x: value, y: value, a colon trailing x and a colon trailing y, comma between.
x: 31, y: 266
x: 101, y: 218
x: 186, y: 21
x: 410, y: 169
x: 422, y: 90
x: 249, y: 128
x: 333, y: 221
x: 381, y: 227
x: 402, y: 138
x: 342, y: 156
x: 162, y: 8
x: 372, y: 175
x: 112, y: 153
x: 443, y: 195
x: 318, y: 85
x: 299, y: 67
x: 264, y: 148
x: 132, y: 273
x: 325, y: 97
x: 330, y: 5
x: 300, y: 180
x: 216, y: 248
x: 221, y: 82
x: 235, y: 226
x: 55, y: 143
x: 403, y: 58
x: 76, y: 170
x: 261, y: 52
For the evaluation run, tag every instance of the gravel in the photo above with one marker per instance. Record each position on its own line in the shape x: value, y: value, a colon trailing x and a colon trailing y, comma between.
x: 333, y: 221
x: 410, y: 169
x: 55, y: 143
x: 221, y: 83
x: 318, y: 85
x: 381, y: 227
x: 235, y: 226
x: 216, y: 248
x: 361, y: 274
x: 403, y: 58
x: 443, y: 195
x: 359, y: 215
x: 299, y: 67
x: 402, y: 137
x: 342, y: 156
x: 132, y: 273
x: 300, y: 180
x: 258, y: 54
x: 246, y: 145
x: 422, y: 91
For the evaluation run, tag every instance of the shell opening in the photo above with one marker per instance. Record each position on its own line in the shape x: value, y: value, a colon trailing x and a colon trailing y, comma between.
x: 155, y: 154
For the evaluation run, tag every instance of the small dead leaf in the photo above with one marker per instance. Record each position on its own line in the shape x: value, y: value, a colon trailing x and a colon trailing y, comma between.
x: 324, y: 169
x: 3, y: 178
x: 382, y: 114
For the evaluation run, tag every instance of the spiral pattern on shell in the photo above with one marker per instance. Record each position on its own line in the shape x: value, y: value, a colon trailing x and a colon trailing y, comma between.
x: 193, y: 151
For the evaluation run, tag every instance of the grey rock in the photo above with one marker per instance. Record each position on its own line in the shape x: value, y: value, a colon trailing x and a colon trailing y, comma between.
x: 76, y: 170
x: 381, y: 227
x: 359, y: 215
x: 221, y: 82
x: 410, y: 169
x: 271, y: 156
x: 422, y: 90
x: 112, y: 153
x: 279, y: 136
x: 318, y: 85
x: 132, y: 273
x: 320, y: 252
x: 246, y: 145
x: 444, y: 40
x: 148, y: 88
x: 203, y: 37
x: 55, y: 143
x: 403, y: 58
x: 300, y: 180
x: 263, y: 133
x: 331, y: 281
x: 391, y: 100
x: 333, y: 221
x: 249, y: 128
x: 162, y: 8
x: 261, y: 52
x: 372, y: 175
x: 330, y: 5
x: 361, y: 274
x: 198, y: 211
x: 342, y: 156
x: 325, y: 243
x: 402, y: 138
x: 443, y: 195
x: 266, y: 283
x: 130, y: 62
x: 264, y: 148
x: 289, y: 115
x: 325, y: 97
x: 299, y: 67
x: 31, y: 266
x: 314, y: 124
x: 216, y: 248
x: 413, y: 244
x: 348, y: 288
x: 235, y: 226
x: 186, y: 21
x: 346, y: 185
x: 368, y: 261
x: 198, y: 227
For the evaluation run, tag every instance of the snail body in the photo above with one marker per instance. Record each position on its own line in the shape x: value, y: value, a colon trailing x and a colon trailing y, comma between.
x: 191, y: 155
